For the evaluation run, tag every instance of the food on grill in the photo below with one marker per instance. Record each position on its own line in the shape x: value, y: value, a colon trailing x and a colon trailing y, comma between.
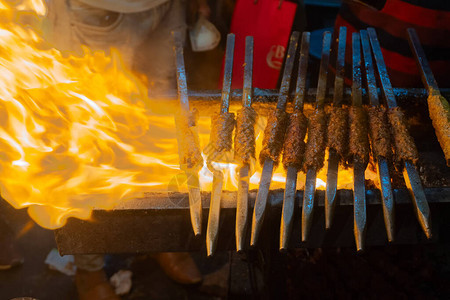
x: 188, y: 143
x: 405, y: 149
x: 221, y: 140
x: 244, y: 138
x: 379, y: 132
x: 274, y: 136
x: 440, y: 116
x: 315, y: 146
x: 338, y: 131
x: 294, y: 146
x: 358, y: 136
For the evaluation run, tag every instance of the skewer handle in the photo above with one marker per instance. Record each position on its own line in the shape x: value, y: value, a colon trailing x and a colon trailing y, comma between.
x: 356, y: 85
x: 247, y: 92
x: 370, y: 73
x: 227, y: 74
x: 323, y: 71
x: 300, y: 90
x: 181, y: 72
x: 340, y: 68
x: 288, y: 66
x: 425, y: 71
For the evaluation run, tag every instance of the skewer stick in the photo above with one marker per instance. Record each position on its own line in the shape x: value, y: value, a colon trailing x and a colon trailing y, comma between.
x: 333, y: 157
x: 310, y: 184
x: 291, y: 176
x: 244, y: 176
x: 439, y: 108
x: 359, y: 190
x: 266, y: 176
x: 410, y: 173
x: 195, y: 199
x: 212, y: 231
x: 382, y: 163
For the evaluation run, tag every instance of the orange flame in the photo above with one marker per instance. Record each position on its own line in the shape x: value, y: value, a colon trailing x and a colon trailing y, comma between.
x: 78, y: 133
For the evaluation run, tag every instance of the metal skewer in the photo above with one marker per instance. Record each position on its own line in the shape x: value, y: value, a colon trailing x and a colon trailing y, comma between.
x: 266, y: 176
x: 433, y: 90
x: 333, y: 156
x: 382, y: 162
x: 310, y: 183
x: 359, y: 189
x: 291, y: 176
x: 212, y: 231
x: 195, y: 199
x: 244, y: 176
x: 410, y: 173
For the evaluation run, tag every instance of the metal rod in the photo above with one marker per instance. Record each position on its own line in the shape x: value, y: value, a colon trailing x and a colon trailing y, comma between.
x: 310, y: 184
x: 323, y: 72
x: 247, y: 92
x: 381, y: 162
x: 425, y: 71
x: 261, y: 200
x: 266, y: 176
x: 300, y: 90
x: 291, y: 176
x: 288, y: 66
x: 212, y: 231
x: 195, y: 199
x: 410, y: 173
x: 333, y: 156
x: 244, y: 176
x: 359, y: 190
x: 227, y: 74
x: 308, y: 202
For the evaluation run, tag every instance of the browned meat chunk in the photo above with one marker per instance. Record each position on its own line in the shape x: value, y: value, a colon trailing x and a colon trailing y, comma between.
x: 359, y: 138
x: 188, y: 143
x: 405, y: 149
x: 379, y: 132
x: 221, y: 140
x: 274, y: 136
x: 315, y: 146
x: 244, y: 138
x: 294, y: 146
x: 440, y: 116
x: 338, y: 131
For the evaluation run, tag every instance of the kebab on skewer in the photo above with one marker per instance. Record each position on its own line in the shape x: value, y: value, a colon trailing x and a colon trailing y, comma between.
x: 438, y: 106
x: 221, y: 143
x: 380, y: 138
x: 244, y: 146
x: 294, y: 146
x: 404, y: 147
x: 337, y: 137
x: 316, y: 142
x: 359, y: 146
x: 273, y: 142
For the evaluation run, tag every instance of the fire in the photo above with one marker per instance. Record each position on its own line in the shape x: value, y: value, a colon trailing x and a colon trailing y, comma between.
x: 78, y: 133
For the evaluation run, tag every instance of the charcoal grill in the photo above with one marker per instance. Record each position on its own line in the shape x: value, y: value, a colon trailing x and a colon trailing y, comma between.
x: 161, y: 221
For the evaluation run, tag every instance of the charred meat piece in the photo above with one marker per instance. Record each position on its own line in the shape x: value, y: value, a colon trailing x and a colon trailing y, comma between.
x: 439, y: 110
x: 274, y: 136
x: 188, y: 143
x: 315, y: 147
x: 294, y: 146
x: 359, y: 137
x: 379, y: 132
x: 405, y: 149
x: 221, y: 140
x: 338, y: 131
x: 244, y: 138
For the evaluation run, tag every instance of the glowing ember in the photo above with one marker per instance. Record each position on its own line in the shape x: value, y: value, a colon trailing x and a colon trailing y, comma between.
x: 79, y: 132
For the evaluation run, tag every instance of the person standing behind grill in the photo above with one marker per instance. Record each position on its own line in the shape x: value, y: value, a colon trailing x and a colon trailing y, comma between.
x: 141, y: 31
x: 391, y: 18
